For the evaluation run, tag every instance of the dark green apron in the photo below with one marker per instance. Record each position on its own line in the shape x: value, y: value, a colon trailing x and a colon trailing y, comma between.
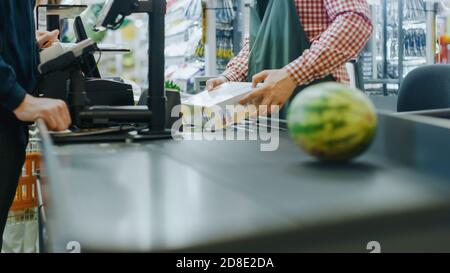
x: 277, y: 38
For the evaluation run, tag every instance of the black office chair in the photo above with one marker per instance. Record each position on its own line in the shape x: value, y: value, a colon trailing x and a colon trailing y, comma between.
x: 425, y: 88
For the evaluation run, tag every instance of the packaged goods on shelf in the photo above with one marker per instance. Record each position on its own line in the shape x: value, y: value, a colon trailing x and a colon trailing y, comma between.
x: 399, y: 43
x: 184, y: 74
x: 183, y: 35
x: 226, y: 16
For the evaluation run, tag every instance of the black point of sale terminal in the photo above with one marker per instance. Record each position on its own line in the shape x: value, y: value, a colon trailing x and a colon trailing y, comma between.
x: 154, y: 114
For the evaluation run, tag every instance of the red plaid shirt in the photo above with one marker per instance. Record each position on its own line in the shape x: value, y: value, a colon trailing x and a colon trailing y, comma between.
x: 337, y: 29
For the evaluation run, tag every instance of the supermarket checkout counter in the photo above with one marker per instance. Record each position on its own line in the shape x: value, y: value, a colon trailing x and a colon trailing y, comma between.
x: 167, y: 195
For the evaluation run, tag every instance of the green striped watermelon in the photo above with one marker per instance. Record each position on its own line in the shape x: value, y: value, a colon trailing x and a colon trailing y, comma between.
x: 332, y: 121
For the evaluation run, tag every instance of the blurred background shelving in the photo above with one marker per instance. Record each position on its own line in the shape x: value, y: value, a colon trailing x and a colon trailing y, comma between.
x: 404, y: 38
x: 203, y: 35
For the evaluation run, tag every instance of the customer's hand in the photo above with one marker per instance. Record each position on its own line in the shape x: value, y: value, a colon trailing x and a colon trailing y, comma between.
x: 54, y: 112
x: 45, y: 38
x: 276, y: 90
x: 216, y: 82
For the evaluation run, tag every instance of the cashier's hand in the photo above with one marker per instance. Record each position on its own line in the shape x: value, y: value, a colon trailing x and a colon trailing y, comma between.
x: 216, y: 82
x: 54, y: 112
x: 276, y: 89
x: 45, y: 38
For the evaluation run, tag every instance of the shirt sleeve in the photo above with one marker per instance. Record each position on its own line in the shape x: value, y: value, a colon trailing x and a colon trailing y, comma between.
x: 349, y: 31
x: 237, y: 68
x: 11, y: 93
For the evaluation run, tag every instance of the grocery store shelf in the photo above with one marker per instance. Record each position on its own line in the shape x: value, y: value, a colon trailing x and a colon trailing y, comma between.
x: 385, y: 81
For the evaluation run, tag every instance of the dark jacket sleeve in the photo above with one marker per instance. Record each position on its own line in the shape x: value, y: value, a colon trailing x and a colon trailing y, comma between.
x: 11, y: 93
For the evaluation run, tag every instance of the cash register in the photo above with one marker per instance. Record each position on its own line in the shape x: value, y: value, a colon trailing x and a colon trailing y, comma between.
x: 73, y: 76
x: 100, y: 91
